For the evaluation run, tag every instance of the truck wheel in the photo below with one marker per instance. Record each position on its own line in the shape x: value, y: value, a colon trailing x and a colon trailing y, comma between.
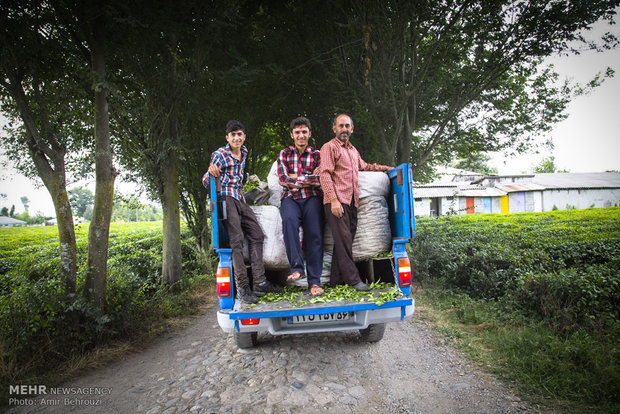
x: 373, y: 333
x: 246, y: 339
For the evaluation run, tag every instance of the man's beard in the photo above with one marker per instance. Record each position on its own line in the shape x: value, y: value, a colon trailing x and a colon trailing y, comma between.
x: 344, y: 137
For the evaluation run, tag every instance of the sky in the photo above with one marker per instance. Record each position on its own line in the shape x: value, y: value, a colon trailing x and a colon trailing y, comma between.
x: 587, y: 141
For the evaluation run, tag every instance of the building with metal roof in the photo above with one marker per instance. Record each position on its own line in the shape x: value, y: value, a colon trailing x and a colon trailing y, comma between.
x: 11, y: 222
x: 518, y: 193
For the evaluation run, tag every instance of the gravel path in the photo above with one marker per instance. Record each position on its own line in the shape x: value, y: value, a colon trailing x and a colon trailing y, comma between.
x: 200, y: 370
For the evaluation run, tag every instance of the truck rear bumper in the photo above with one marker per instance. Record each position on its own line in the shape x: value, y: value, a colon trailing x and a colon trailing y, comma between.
x: 281, y: 323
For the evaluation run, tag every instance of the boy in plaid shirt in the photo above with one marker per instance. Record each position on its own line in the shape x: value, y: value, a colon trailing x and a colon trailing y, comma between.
x: 228, y: 163
x: 298, y: 167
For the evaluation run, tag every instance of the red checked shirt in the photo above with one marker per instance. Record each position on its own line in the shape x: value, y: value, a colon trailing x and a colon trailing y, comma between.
x: 290, y: 161
x: 340, y: 163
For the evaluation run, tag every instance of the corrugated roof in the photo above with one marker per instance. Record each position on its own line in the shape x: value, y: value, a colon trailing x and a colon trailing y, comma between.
x: 538, y: 182
x: 10, y: 220
x: 435, y: 191
x: 481, y: 192
x: 578, y: 180
x: 522, y: 187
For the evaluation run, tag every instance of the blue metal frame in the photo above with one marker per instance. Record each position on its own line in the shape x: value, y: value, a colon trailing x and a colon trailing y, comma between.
x: 316, y: 311
x: 224, y: 254
x: 215, y: 228
x: 403, y: 221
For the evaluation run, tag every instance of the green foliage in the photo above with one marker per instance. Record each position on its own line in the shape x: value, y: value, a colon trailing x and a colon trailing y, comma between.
x: 41, y: 326
x: 541, y: 291
x: 475, y: 161
x: 578, y: 370
x: 294, y: 295
x: 81, y: 198
x: 487, y: 254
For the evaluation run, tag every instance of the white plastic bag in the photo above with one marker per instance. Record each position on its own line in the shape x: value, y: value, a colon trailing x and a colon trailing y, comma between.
x: 274, y: 251
x: 275, y: 189
x: 373, y: 183
x: 373, y: 235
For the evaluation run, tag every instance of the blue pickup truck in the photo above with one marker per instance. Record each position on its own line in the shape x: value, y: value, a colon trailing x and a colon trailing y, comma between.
x: 282, y: 318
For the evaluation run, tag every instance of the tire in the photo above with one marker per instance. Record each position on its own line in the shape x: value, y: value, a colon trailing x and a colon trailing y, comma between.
x: 373, y: 333
x: 246, y: 339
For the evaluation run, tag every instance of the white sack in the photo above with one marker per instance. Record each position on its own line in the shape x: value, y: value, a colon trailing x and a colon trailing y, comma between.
x: 275, y: 189
x: 373, y: 235
x: 274, y: 252
x: 373, y: 183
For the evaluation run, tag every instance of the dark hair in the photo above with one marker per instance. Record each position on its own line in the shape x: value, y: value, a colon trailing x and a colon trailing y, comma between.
x: 338, y: 116
x: 234, y: 125
x: 299, y: 121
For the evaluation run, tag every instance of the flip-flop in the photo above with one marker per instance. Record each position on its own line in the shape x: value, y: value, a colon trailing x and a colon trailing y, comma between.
x: 316, y: 290
x: 294, y: 276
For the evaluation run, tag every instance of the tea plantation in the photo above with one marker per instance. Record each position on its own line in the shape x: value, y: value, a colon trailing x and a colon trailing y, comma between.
x: 41, y: 327
x: 540, y: 292
x: 534, y: 297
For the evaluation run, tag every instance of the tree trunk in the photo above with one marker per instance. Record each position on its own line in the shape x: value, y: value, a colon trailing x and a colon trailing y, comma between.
x: 55, y: 182
x: 171, y: 255
x: 194, y: 206
x: 48, y: 157
x: 66, y: 235
x: 95, y: 284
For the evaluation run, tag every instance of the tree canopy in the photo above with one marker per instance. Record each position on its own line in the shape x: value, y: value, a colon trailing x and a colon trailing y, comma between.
x: 425, y: 82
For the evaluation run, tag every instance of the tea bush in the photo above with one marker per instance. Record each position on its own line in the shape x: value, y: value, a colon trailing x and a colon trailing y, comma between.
x: 539, y: 291
x: 556, y: 265
x: 41, y: 325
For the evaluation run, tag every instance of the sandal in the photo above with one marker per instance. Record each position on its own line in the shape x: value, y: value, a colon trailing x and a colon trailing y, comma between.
x: 316, y: 290
x: 294, y: 276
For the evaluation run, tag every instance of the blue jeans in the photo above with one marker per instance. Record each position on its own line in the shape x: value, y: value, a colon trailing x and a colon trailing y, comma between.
x: 307, y: 213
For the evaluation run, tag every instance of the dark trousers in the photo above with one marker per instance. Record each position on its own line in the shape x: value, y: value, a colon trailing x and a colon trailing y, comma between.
x: 241, y: 221
x: 307, y: 213
x: 343, y: 270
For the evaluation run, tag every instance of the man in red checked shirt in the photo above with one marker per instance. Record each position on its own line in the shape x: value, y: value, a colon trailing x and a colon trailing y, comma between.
x: 301, y: 205
x: 340, y: 163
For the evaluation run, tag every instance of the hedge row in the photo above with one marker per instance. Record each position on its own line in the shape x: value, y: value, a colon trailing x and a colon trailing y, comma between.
x: 562, y: 266
x: 41, y: 325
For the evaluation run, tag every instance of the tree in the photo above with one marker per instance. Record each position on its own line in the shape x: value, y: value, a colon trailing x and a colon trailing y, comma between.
x: 547, y: 165
x: 175, y: 108
x: 152, y: 118
x: 89, y: 28
x: 476, y: 162
x: 431, y: 80
x: 80, y: 198
x: 26, y: 202
x: 85, y: 27
x: 43, y: 102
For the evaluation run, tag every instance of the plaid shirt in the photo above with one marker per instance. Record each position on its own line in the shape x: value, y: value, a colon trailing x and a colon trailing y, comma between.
x: 339, y: 171
x: 231, y: 176
x: 290, y: 161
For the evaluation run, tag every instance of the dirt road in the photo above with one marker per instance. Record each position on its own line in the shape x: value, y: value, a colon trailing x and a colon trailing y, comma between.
x: 199, y: 369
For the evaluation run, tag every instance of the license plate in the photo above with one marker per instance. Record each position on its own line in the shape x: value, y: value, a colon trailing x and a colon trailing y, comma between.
x: 321, y: 317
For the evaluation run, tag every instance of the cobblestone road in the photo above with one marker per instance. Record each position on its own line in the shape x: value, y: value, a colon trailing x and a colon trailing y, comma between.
x: 199, y: 369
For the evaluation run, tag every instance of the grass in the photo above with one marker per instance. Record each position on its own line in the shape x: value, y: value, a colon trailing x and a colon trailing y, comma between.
x: 572, y: 374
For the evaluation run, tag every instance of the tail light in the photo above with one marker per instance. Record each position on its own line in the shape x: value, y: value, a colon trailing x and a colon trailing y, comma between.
x: 251, y: 321
x: 404, y: 272
x: 223, y: 282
